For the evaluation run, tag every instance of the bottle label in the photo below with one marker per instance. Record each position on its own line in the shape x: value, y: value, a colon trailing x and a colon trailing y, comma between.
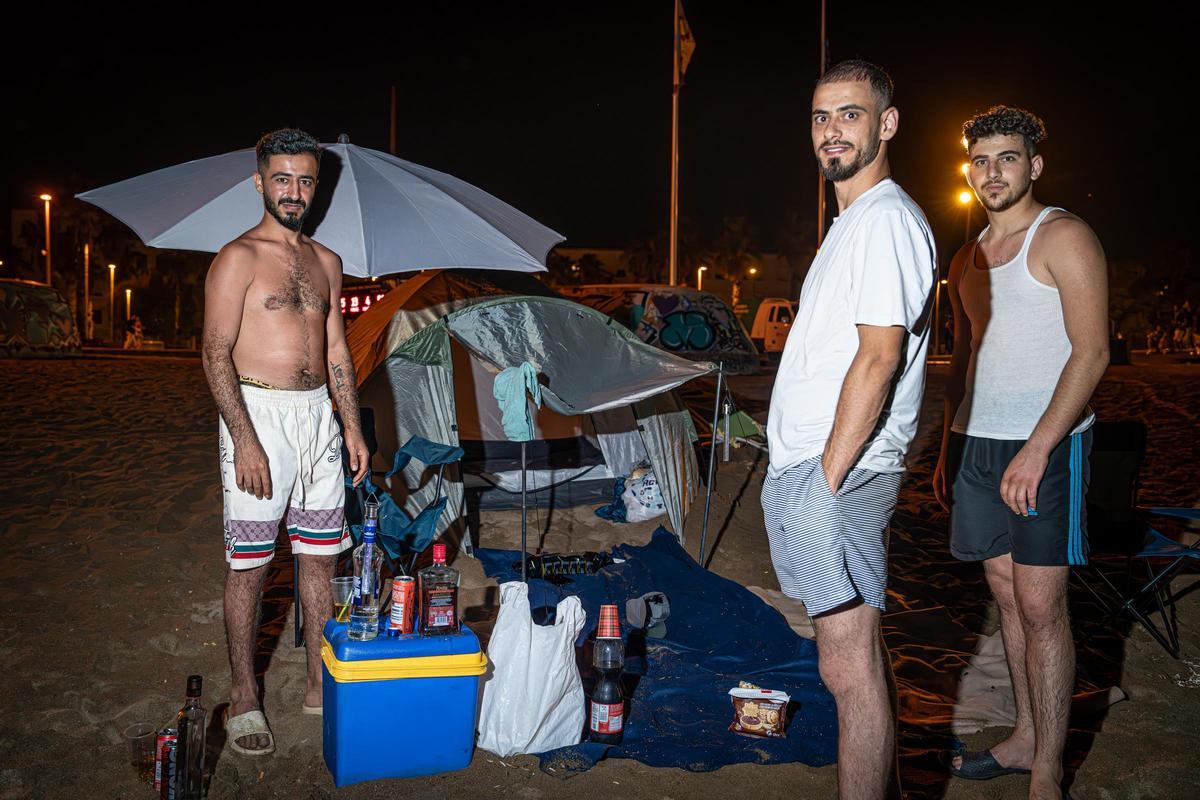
x: 607, y: 718
x: 439, y: 609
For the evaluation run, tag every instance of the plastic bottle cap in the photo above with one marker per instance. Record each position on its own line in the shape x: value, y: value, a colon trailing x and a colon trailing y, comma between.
x: 194, y: 682
x: 439, y: 553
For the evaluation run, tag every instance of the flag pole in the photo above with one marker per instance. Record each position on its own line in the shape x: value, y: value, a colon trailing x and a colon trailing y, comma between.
x: 674, y: 246
x: 821, y: 177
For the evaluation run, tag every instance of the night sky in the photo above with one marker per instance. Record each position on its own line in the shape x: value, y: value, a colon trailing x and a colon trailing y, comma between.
x: 563, y: 109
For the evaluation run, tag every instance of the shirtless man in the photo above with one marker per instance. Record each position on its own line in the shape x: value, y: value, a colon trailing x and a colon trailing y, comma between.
x: 1030, y: 299
x: 273, y: 334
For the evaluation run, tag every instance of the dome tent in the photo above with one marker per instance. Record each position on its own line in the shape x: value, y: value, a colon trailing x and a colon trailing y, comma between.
x: 426, y: 352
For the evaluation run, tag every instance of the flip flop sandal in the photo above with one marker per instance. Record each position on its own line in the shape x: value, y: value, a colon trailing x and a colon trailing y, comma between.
x: 316, y: 711
x: 981, y: 765
x: 249, y: 724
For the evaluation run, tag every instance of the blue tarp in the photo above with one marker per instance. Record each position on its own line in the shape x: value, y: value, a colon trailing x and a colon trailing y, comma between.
x: 718, y: 633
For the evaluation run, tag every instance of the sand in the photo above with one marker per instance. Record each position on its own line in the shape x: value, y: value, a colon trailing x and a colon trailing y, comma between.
x: 111, y: 567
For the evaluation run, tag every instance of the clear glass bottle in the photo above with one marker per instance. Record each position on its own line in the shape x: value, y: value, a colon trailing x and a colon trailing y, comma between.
x: 439, y: 596
x: 191, y: 722
x: 367, y: 560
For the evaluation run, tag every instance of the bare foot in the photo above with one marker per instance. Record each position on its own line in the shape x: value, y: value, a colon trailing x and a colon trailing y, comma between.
x: 253, y: 741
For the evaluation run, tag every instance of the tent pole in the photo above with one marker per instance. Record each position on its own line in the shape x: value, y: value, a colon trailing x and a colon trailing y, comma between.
x: 712, y: 458
x: 523, y: 579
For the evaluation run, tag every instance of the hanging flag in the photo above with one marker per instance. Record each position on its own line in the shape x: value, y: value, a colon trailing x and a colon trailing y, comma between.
x: 687, y: 43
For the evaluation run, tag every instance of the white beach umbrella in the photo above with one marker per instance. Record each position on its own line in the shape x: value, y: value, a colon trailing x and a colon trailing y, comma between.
x: 379, y: 213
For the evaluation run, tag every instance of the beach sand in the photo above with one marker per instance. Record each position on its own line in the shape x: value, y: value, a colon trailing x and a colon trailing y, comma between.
x: 111, y: 570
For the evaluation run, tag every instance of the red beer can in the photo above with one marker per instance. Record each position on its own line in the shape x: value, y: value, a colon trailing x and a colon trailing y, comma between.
x: 404, y: 598
x: 164, y: 735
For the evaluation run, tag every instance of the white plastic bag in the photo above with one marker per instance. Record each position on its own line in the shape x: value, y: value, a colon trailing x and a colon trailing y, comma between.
x: 643, y: 498
x: 534, y: 700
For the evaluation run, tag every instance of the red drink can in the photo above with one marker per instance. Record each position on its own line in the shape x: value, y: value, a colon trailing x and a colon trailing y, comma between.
x: 404, y: 598
x: 165, y: 735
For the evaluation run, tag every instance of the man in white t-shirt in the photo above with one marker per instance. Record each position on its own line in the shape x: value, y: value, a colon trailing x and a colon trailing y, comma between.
x: 844, y: 410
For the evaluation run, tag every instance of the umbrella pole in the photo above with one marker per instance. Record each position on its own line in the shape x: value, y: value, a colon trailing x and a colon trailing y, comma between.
x: 712, y: 459
x: 523, y: 580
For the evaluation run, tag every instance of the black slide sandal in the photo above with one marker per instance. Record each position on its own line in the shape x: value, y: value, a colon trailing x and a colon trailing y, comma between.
x: 981, y: 765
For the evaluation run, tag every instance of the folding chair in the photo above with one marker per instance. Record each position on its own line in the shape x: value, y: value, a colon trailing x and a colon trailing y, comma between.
x: 1118, y: 526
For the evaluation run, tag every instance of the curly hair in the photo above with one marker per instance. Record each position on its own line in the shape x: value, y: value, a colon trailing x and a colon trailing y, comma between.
x: 286, y: 142
x: 1005, y: 121
x: 854, y: 70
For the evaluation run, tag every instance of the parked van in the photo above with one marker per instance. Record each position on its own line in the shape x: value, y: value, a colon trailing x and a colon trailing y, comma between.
x: 772, y: 322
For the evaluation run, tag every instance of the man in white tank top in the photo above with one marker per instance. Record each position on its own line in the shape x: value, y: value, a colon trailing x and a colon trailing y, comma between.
x: 1030, y: 300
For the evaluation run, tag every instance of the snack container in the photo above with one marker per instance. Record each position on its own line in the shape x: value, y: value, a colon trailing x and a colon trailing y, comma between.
x: 759, y: 712
x: 398, y: 707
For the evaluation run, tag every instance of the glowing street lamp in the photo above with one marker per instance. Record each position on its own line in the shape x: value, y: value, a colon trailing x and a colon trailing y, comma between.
x: 45, y: 198
x: 112, y: 322
x: 965, y: 198
x: 128, y: 303
x: 700, y: 277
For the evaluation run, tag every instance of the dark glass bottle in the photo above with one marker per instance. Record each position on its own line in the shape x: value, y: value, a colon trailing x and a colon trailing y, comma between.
x: 189, y: 772
x: 606, y: 708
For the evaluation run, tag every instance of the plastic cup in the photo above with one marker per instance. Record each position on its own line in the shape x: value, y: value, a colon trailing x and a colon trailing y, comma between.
x: 141, y: 737
x: 610, y: 623
x: 343, y: 597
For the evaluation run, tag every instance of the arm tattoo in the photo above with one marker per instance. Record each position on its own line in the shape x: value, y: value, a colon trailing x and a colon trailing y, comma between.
x: 345, y: 392
x: 223, y: 382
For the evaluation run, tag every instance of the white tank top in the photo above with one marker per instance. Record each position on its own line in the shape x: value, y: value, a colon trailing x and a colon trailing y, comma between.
x: 1019, y: 346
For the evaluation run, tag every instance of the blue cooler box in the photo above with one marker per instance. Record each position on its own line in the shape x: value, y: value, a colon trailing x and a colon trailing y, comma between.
x: 398, y: 707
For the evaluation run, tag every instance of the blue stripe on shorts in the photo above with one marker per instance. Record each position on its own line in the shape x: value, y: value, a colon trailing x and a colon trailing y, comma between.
x: 830, y: 549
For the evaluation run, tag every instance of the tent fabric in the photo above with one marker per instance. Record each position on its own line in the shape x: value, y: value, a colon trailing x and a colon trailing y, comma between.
x: 689, y: 323
x: 35, y: 321
x: 403, y: 350
x: 718, y: 633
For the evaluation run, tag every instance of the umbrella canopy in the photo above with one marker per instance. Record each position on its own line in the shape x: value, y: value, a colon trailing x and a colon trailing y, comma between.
x: 379, y: 213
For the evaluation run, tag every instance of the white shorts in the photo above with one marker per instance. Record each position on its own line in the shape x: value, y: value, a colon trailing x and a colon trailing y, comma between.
x: 828, y: 549
x: 304, y: 450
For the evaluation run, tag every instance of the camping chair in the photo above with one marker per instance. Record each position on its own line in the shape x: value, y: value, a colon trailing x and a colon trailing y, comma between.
x: 1117, y: 526
x: 398, y: 534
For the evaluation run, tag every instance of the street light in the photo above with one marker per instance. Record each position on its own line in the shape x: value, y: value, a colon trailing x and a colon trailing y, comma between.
x: 45, y: 198
x: 700, y: 277
x: 128, y: 303
x: 965, y: 198
x: 965, y: 166
x: 112, y: 283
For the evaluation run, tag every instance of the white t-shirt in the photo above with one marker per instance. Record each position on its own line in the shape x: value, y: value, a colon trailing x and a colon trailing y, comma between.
x: 877, y: 266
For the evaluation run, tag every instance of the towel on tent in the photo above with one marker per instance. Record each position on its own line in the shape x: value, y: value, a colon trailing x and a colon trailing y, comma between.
x: 509, y: 390
x: 718, y: 633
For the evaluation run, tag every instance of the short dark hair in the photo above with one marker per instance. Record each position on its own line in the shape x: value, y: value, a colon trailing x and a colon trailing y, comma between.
x: 286, y: 142
x: 856, y: 70
x: 1005, y: 121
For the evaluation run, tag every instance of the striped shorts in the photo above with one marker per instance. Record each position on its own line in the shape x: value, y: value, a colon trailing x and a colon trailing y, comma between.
x: 828, y: 549
x: 304, y: 451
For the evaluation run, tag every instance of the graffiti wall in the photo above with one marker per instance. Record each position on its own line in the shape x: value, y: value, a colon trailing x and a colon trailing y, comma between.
x: 35, y: 321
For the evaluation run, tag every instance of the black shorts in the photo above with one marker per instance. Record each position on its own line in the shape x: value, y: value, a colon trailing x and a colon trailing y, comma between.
x: 982, y: 526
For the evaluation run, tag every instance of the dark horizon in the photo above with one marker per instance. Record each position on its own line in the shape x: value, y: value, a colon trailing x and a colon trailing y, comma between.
x: 565, y: 112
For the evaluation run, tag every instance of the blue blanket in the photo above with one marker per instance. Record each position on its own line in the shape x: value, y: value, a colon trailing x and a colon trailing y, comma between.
x: 718, y: 633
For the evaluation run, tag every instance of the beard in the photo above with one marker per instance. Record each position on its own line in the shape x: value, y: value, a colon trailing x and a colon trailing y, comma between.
x: 1003, y: 202
x: 837, y: 171
x: 290, y: 220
